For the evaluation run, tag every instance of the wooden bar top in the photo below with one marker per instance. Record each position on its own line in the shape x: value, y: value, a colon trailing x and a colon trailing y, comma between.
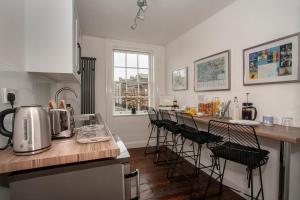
x: 62, y: 151
x: 275, y: 132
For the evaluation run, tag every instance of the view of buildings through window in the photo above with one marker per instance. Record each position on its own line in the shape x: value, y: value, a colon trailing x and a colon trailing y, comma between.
x: 131, y: 81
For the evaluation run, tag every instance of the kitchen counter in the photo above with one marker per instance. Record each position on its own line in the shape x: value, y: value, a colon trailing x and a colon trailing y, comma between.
x: 65, y: 151
x: 275, y: 132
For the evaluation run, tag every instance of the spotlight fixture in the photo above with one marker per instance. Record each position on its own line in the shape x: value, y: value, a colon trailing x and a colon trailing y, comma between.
x: 142, y: 5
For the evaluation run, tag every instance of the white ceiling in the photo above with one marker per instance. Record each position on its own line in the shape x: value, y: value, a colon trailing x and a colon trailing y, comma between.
x: 165, y: 20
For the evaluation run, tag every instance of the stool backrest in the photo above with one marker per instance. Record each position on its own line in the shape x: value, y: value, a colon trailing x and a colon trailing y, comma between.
x: 234, y: 133
x: 186, y: 119
x: 165, y: 115
x: 153, y: 115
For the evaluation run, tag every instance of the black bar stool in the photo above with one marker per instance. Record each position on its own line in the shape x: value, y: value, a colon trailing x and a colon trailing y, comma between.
x: 156, y: 124
x: 189, y: 130
x: 240, y: 144
x: 170, y: 126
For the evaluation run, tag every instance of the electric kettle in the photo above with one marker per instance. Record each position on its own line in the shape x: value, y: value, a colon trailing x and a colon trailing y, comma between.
x: 31, y: 129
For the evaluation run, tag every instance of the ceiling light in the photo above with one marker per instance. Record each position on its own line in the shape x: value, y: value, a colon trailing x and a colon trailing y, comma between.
x: 142, y: 4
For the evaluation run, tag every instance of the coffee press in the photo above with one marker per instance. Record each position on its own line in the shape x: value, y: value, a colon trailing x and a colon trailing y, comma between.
x: 249, y: 112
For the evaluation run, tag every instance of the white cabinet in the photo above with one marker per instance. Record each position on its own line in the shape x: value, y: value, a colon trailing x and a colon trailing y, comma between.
x: 51, y: 36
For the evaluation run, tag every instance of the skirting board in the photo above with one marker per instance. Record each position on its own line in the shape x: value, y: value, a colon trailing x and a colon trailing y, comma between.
x: 138, y: 144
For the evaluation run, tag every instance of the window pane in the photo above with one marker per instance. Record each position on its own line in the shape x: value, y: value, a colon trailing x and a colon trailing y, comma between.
x: 143, y: 103
x: 120, y: 104
x: 143, y: 61
x: 132, y: 102
x: 132, y: 88
x: 131, y: 60
x: 143, y: 75
x: 144, y: 89
x: 131, y: 74
x: 119, y: 74
x: 119, y: 89
x: 119, y: 59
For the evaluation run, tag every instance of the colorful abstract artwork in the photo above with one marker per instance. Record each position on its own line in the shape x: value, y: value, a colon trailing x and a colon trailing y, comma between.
x: 276, y: 61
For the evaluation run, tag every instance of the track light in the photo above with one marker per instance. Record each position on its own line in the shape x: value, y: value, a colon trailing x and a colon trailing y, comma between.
x: 142, y: 4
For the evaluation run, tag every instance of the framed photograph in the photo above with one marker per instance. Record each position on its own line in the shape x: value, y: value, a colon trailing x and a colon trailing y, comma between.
x: 276, y: 61
x: 212, y: 73
x: 179, y: 79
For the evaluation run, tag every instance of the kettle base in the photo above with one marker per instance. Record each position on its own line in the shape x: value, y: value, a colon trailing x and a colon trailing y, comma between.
x: 29, y: 153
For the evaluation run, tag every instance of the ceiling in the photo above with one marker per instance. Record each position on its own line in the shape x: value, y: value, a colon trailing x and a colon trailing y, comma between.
x: 165, y: 20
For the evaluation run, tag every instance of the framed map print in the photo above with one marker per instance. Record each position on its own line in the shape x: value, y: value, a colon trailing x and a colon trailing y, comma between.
x: 179, y: 79
x: 276, y: 61
x: 213, y: 72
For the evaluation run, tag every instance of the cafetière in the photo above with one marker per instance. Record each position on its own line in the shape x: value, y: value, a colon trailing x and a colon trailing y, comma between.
x: 249, y: 112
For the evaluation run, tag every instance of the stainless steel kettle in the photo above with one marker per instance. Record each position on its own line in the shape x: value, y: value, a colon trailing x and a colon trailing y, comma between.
x: 31, y: 129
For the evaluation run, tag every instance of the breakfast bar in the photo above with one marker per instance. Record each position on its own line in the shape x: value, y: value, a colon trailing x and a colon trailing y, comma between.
x: 285, y: 135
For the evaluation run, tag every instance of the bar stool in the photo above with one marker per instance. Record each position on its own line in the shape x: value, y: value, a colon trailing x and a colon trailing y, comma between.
x: 156, y: 124
x: 240, y: 144
x: 170, y: 126
x: 189, y: 130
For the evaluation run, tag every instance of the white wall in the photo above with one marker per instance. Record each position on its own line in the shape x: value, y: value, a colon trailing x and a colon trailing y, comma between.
x: 132, y: 129
x: 244, y: 24
x: 241, y: 25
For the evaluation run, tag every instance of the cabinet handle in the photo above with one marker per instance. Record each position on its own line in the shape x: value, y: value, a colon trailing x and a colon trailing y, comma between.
x: 136, y: 174
x: 79, y: 58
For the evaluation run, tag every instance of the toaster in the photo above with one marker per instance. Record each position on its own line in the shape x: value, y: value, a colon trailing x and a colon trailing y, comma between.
x: 61, y: 123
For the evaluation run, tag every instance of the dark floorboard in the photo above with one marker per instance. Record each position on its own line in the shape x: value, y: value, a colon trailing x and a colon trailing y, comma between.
x: 156, y: 186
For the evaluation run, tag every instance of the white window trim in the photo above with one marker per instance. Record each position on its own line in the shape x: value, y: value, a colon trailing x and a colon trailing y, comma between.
x: 150, y: 82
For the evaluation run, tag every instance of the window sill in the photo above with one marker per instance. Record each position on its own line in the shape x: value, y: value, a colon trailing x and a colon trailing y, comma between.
x: 128, y: 114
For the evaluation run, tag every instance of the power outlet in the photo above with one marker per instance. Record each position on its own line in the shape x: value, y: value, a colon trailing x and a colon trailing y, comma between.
x: 4, y: 92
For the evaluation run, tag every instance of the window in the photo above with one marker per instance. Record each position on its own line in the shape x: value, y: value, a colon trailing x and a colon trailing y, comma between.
x: 131, y: 76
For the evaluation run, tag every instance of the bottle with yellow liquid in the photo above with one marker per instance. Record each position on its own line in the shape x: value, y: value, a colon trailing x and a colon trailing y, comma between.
x: 215, y: 105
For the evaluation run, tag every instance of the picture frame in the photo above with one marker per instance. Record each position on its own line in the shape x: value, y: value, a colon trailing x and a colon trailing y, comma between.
x: 212, y: 73
x: 276, y: 61
x: 180, y: 79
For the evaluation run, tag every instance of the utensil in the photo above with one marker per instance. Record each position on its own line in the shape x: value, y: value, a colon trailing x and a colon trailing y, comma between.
x: 223, y: 108
x: 31, y: 131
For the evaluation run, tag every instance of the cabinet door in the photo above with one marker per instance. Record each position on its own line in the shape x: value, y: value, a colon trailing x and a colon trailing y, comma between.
x: 49, y: 41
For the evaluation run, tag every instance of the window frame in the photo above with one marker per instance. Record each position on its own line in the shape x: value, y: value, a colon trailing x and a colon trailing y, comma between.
x: 149, y: 83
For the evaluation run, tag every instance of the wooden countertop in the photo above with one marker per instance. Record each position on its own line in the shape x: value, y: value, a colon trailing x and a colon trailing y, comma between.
x: 63, y: 151
x: 276, y: 132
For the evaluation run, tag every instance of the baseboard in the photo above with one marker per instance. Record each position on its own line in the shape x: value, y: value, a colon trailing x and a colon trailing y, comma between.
x: 137, y: 144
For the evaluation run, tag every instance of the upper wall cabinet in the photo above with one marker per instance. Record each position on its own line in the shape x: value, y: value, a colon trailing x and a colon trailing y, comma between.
x: 52, y: 38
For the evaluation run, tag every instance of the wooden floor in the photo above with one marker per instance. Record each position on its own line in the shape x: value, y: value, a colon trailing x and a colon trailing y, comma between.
x: 156, y: 186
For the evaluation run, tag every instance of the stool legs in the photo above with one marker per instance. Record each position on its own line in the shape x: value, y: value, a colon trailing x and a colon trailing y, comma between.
x: 220, y: 175
x: 261, y: 184
x: 150, y: 137
x: 179, y: 155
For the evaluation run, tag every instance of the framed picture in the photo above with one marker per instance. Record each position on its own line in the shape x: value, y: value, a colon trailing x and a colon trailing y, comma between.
x: 179, y: 79
x: 212, y: 73
x: 276, y: 61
